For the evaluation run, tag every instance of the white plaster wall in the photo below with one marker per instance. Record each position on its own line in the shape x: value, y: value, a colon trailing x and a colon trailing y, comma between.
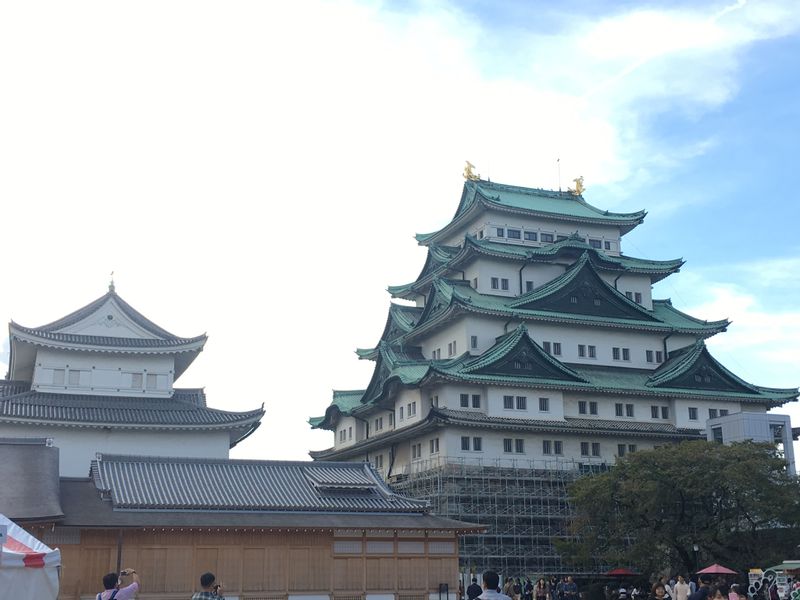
x: 404, y: 398
x: 78, y: 446
x: 490, y: 220
x: 556, y: 404
x: 345, y: 423
x: 702, y: 406
x: 104, y: 374
x: 449, y: 396
x: 456, y: 331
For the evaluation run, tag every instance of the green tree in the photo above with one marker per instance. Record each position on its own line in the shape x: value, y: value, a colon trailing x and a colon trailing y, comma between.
x: 736, y: 503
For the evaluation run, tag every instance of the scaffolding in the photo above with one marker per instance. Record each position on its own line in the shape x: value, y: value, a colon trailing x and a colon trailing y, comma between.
x: 523, y: 503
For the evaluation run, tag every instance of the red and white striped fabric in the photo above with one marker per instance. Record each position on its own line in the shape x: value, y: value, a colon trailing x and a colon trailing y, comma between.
x: 29, y: 570
x: 21, y: 549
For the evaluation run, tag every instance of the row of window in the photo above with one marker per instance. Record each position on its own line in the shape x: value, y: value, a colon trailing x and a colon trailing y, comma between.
x: 411, y: 410
x: 635, y: 296
x: 345, y: 434
x: 81, y: 378
x: 713, y: 413
x: 535, y: 236
x: 452, y: 349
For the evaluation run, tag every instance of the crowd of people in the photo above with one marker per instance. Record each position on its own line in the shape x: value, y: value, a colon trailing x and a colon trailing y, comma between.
x: 565, y: 588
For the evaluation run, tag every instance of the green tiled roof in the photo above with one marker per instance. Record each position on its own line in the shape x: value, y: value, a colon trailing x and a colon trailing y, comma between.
x: 343, y: 402
x: 569, y: 248
x: 491, y: 368
x: 563, y: 206
x: 449, y: 297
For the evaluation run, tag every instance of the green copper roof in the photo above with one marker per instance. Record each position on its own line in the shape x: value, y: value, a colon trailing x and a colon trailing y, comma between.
x: 567, y: 249
x: 562, y: 206
x: 448, y: 298
x: 343, y: 402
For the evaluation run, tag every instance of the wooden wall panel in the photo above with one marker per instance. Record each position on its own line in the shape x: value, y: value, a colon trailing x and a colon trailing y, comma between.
x: 442, y: 570
x: 205, y: 559
x: 318, y: 570
x: 298, y: 569
x: 230, y: 567
x: 179, y: 570
x: 253, y: 560
x: 96, y: 562
x: 277, y: 567
x: 153, y: 563
x: 348, y: 574
x: 411, y: 574
x: 381, y: 574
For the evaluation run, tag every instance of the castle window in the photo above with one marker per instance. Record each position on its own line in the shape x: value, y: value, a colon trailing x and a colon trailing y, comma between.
x: 584, y: 448
x: 620, y: 450
x: 547, y: 447
x: 434, y: 446
x: 476, y: 400
x: 514, y: 234
x: 58, y: 376
x: 378, y: 423
x: 637, y: 297
x: 544, y: 404
x: 464, y: 443
x: 592, y: 351
x: 501, y: 232
x: 519, y: 446
x: 391, y: 419
x: 350, y: 433
x: 464, y: 400
x: 480, y: 234
x: 648, y: 355
x: 504, y: 284
x: 477, y: 444
x: 416, y: 451
x: 626, y: 354
x: 557, y: 348
x: 595, y: 449
x: 152, y: 381
x: 528, y: 286
x: 573, y: 299
x: 692, y: 413
x: 631, y: 448
x: 659, y: 356
x: 137, y: 380
x: 592, y: 408
x: 495, y: 283
x: 581, y: 350
x: 581, y: 407
x: 522, y: 403
x: 618, y: 409
x: 716, y: 433
x: 712, y: 413
x: 401, y: 413
x: 629, y: 410
x: 607, y: 245
x: 665, y: 412
x: 475, y: 283
x: 379, y: 461
x: 546, y: 347
x: 473, y: 341
x: 723, y: 412
x: 558, y: 446
x: 508, y: 445
x: 615, y: 353
x: 654, y: 412
x: 508, y: 402
x: 594, y: 243
x: 546, y: 237
x: 596, y: 301
x: 629, y: 295
x: 530, y: 236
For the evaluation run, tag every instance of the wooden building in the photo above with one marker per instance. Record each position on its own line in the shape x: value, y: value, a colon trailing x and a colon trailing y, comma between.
x: 269, y: 530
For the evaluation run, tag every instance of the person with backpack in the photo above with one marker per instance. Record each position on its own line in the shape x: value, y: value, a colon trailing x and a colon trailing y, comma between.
x: 112, y: 583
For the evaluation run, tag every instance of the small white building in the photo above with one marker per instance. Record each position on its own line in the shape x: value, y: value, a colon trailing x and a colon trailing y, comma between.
x: 756, y: 427
x: 102, y: 380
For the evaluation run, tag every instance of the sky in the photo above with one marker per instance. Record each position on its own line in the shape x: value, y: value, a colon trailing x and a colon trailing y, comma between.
x: 257, y: 170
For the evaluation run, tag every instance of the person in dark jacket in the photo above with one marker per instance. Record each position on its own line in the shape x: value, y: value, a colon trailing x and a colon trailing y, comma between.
x: 474, y: 590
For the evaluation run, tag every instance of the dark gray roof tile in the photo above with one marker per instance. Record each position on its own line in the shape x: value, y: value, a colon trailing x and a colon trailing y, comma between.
x: 157, y: 483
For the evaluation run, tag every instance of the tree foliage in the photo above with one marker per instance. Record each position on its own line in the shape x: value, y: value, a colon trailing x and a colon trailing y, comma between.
x: 736, y: 503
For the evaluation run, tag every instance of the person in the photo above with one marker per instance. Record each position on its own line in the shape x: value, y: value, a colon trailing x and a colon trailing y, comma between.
x: 570, y: 590
x: 527, y: 590
x: 733, y: 593
x: 211, y: 589
x: 559, y: 588
x: 622, y: 592
x: 702, y: 590
x: 540, y: 592
x: 659, y: 591
x: 113, y: 582
x: 517, y: 589
x: 491, y: 581
x: 460, y: 590
x: 474, y: 590
x: 681, y: 590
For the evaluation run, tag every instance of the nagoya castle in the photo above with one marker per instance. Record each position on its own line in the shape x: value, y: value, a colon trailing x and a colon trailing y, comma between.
x: 528, y: 351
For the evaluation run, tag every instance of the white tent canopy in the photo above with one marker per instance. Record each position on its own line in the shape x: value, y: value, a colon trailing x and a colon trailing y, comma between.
x: 29, y: 570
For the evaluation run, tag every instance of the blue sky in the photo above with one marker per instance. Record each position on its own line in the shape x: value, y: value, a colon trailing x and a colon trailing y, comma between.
x: 257, y: 170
